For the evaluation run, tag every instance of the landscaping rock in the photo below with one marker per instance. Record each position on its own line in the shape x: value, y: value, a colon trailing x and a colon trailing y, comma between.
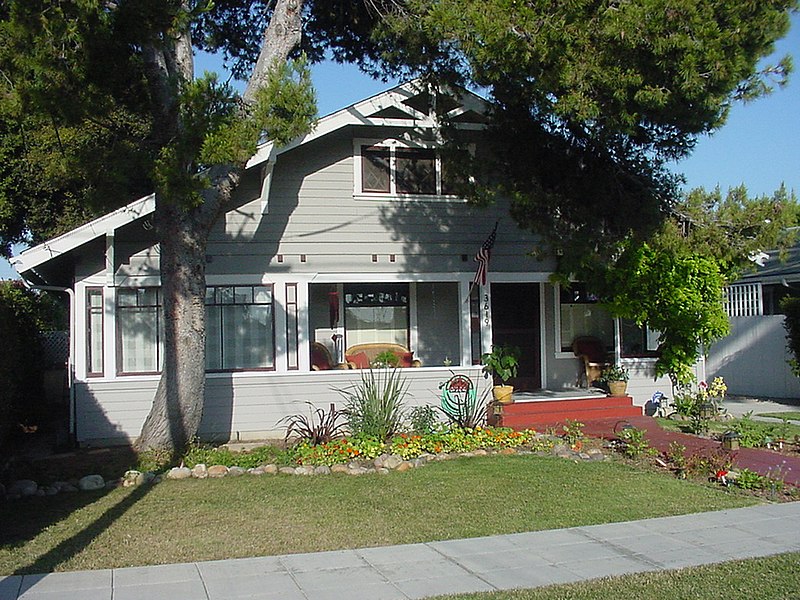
x: 392, y: 462
x: 404, y: 466
x: 236, y: 472
x: 322, y: 470
x: 357, y: 470
x: 40, y: 492
x: 508, y: 451
x: 179, y: 473
x: 91, y: 483
x: 200, y: 471
x: 68, y: 488
x: 383, y: 471
x: 129, y: 479
x: 304, y: 470
x: 286, y: 470
x: 51, y: 490
x: 339, y: 469
x: 217, y: 471
x: 270, y: 469
x: 144, y: 478
x: 480, y: 452
x: 22, y: 488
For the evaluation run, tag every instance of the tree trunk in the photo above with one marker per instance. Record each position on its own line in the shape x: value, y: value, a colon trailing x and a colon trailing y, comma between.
x: 178, y: 404
x: 177, y: 408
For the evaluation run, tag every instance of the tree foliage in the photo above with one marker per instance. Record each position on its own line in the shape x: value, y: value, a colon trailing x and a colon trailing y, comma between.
x: 23, y: 315
x: 675, y: 281
x: 790, y: 306
x: 593, y: 99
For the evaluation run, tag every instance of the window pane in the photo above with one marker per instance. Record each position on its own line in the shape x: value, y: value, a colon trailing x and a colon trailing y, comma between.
x: 139, y: 340
x: 224, y: 295
x: 94, y: 332
x: 247, y: 337
x: 585, y: 320
x: 213, y: 338
x: 126, y: 297
x: 376, y: 313
x: 243, y: 295
x: 416, y: 171
x: 374, y: 169
x: 262, y: 294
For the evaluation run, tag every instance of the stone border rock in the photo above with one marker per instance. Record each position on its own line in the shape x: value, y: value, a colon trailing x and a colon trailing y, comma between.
x: 383, y: 464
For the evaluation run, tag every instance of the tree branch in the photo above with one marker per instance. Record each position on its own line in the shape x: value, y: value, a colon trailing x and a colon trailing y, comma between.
x: 282, y: 35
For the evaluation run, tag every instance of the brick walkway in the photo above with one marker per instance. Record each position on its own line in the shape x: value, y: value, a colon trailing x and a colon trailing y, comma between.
x: 760, y: 460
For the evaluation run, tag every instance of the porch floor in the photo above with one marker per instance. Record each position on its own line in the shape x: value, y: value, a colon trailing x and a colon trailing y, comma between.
x: 547, y: 408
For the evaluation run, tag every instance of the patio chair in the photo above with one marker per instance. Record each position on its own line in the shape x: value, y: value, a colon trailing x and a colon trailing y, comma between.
x: 593, y: 359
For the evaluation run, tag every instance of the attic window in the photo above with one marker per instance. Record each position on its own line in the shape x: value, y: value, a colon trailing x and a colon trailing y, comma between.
x: 399, y: 170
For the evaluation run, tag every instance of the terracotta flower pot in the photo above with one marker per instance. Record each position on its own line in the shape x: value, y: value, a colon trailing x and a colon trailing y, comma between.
x: 617, y: 388
x: 503, y: 394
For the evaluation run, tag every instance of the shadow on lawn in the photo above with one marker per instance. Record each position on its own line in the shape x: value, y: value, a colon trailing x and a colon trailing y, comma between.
x: 36, y: 517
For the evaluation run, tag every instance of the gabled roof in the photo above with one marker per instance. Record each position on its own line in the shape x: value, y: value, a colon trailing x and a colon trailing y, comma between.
x: 104, y: 225
x: 406, y: 105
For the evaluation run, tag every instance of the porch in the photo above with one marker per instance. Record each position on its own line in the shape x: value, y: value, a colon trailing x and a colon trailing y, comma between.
x: 549, y: 408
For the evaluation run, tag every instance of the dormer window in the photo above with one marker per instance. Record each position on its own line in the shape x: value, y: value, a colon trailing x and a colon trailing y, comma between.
x: 395, y: 169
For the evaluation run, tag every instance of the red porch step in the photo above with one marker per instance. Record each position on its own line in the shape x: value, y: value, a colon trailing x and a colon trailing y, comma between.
x: 537, y: 414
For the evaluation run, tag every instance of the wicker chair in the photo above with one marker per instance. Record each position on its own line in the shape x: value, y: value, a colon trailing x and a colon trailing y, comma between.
x: 361, y: 355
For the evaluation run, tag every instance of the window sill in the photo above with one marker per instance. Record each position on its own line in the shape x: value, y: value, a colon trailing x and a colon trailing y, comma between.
x: 367, y: 196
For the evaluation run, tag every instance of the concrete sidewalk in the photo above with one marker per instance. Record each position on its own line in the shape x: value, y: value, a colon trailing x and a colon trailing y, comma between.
x: 522, y: 560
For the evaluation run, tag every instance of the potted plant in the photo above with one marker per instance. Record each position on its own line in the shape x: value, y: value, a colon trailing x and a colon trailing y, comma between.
x: 501, y: 364
x: 616, y: 378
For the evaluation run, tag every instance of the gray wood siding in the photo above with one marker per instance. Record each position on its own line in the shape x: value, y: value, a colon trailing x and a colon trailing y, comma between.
x: 313, y: 212
x: 237, y: 407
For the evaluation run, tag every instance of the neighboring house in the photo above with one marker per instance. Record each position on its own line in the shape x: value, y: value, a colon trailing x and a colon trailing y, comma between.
x: 347, y: 236
x: 753, y: 358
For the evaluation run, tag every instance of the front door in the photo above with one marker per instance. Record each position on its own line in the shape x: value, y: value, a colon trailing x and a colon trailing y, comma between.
x: 516, y: 322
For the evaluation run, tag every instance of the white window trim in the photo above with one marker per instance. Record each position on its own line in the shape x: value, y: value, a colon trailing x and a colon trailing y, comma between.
x: 393, y: 144
x: 617, y: 336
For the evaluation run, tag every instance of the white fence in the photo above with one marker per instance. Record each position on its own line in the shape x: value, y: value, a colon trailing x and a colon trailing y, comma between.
x: 753, y: 359
x: 744, y: 300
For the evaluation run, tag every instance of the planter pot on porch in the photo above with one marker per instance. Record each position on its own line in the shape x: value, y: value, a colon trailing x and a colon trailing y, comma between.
x: 617, y: 388
x: 504, y: 394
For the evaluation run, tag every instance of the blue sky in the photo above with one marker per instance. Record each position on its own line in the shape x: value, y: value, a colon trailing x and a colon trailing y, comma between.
x: 759, y: 146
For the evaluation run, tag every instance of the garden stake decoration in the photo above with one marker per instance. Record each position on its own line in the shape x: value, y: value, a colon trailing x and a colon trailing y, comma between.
x: 460, y: 402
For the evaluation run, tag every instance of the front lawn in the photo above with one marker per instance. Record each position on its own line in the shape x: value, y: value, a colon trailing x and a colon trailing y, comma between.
x: 769, y: 578
x: 181, y: 521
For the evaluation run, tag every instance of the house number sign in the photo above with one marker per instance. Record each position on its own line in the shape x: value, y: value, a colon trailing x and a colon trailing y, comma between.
x: 486, y: 311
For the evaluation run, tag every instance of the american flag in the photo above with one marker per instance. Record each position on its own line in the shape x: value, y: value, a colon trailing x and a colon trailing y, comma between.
x: 482, y: 258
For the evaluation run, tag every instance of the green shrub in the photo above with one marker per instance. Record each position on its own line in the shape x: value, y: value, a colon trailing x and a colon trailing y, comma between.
x: 751, y: 433
x: 374, y: 406
x: 423, y: 419
x: 23, y: 315
x: 791, y: 308
x: 750, y: 480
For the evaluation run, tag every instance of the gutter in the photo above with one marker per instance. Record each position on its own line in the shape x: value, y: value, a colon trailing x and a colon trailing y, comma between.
x: 73, y: 434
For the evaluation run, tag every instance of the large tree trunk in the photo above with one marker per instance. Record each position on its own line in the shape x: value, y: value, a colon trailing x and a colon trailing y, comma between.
x: 177, y: 408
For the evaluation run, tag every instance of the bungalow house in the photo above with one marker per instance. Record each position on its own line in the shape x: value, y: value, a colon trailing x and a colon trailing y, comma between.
x: 343, y: 239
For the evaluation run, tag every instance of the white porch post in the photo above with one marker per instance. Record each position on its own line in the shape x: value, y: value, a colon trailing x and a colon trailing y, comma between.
x: 486, y: 318
x: 465, y: 329
x: 617, y: 342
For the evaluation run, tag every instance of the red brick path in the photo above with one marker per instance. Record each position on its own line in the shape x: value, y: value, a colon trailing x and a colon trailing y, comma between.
x: 762, y: 461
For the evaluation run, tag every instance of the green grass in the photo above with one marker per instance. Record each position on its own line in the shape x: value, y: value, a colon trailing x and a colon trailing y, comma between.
x: 792, y: 415
x: 178, y: 521
x: 720, y: 427
x: 769, y: 578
